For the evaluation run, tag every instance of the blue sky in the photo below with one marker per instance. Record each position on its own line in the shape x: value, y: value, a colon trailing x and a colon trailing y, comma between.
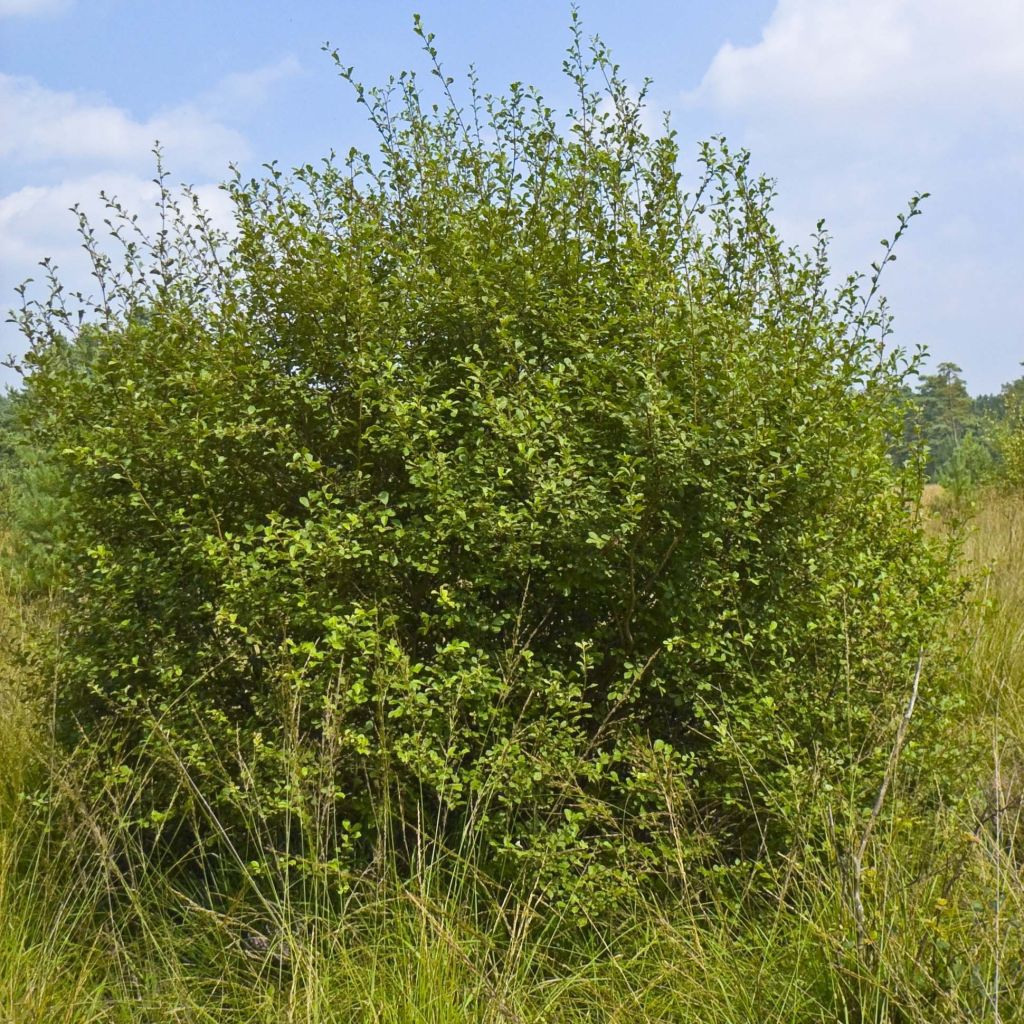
x: 852, y: 105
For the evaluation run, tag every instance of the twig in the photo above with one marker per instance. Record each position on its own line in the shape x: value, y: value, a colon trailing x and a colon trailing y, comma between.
x: 857, y: 861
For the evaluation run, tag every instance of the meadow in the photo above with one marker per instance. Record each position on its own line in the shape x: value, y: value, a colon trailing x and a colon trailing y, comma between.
x: 92, y: 931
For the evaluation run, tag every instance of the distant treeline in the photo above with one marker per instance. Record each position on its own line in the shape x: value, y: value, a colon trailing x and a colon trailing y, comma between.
x: 969, y: 440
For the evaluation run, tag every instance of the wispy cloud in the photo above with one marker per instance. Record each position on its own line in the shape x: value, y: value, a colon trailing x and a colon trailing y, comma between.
x: 30, y: 8
x: 45, y: 126
x: 238, y: 93
x: 830, y: 57
x: 36, y: 220
x: 62, y: 148
x: 854, y: 105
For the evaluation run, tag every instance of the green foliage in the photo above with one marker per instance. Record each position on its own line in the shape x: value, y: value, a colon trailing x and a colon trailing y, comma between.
x: 1011, y: 437
x: 970, y: 466
x: 499, y: 480
x: 32, y: 490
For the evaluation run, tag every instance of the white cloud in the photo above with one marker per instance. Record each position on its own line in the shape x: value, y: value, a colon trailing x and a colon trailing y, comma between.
x: 9, y: 8
x: 37, y: 221
x: 44, y: 126
x: 61, y: 148
x: 830, y: 56
x: 853, y: 105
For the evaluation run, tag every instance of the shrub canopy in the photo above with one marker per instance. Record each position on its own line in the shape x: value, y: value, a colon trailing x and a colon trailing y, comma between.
x: 503, y: 476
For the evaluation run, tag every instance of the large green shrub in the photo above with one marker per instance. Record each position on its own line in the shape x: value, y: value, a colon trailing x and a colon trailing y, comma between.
x: 502, y: 478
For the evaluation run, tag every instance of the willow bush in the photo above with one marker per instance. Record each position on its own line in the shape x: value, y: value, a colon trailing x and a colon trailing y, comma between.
x: 504, y: 482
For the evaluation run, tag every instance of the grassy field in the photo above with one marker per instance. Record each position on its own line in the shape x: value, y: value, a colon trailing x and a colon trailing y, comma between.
x: 917, y: 920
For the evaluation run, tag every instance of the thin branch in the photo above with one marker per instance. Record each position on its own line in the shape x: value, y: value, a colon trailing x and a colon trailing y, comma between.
x: 857, y: 861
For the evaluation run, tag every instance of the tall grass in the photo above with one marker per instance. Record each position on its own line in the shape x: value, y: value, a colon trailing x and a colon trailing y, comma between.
x: 95, y: 929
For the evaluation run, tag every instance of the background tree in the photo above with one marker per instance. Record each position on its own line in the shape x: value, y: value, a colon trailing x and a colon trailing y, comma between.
x: 1011, y: 436
x: 947, y: 413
